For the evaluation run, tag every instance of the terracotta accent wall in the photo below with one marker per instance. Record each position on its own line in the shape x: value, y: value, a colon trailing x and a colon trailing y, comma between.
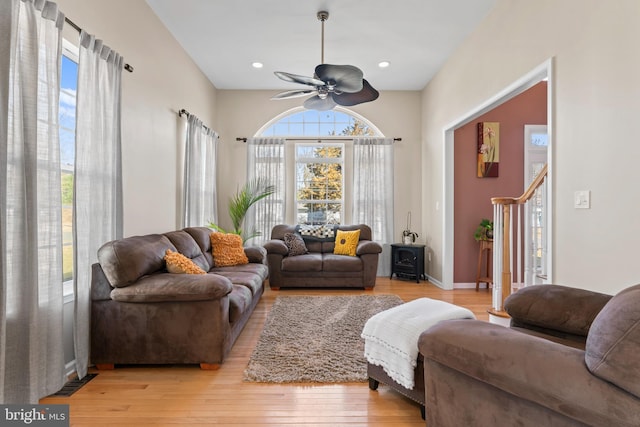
x: 472, y: 195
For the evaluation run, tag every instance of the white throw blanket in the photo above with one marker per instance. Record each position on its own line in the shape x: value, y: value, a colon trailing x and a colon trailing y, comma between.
x: 391, y: 337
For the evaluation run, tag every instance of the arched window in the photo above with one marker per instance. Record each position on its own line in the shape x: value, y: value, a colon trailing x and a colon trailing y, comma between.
x: 318, y: 149
x: 300, y: 122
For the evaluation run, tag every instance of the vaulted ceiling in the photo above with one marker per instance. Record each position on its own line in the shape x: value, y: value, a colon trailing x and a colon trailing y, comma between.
x: 225, y: 37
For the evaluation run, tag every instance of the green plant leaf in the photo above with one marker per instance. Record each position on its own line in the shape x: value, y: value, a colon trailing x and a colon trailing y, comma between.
x: 250, y: 193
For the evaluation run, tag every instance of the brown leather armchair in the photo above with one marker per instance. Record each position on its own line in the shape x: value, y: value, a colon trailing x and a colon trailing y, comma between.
x: 577, y: 362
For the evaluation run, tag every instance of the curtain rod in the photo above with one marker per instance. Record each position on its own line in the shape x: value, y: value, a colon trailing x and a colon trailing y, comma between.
x: 75, y: 26
x: 308, y: 138
x: 186, y: 113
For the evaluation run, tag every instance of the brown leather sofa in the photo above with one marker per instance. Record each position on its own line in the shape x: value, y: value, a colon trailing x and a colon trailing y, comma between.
x: 570, y: 358
x: 142, y: 314
x: 320, y: 267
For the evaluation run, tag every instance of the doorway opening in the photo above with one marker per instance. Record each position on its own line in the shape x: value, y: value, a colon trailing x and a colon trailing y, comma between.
x: 542, y: 72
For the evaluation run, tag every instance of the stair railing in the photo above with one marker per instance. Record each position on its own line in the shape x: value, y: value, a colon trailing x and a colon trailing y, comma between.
x: 504, y: 209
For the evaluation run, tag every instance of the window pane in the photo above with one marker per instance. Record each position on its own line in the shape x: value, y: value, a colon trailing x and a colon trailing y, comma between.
x: 271, y: 131
x: 281, y: 129
x: 296, y: 129
x: 319, y: 166
x: 66, y: 132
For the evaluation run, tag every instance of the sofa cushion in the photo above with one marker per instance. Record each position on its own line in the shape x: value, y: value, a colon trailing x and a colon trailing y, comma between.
x: 239, y: 302
x: 295, y: 244
x: 180, y: 264
x: 346, y: 242
x: 202, y: 236
x: 341, y: 263
x: 613, y: 343
x: 260, y: 270
x: 251, y: 281
x: 187, y: 246
x: 126, y: 260
x: 365, y: 230
x: 306, y: 263
x: 227, y: 249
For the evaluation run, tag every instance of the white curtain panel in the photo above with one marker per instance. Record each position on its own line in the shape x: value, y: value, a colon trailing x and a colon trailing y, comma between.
x: 31, y: 351
x: 373, y: 192
x: 98, y: 175
x: 266, y: 159
x: 200, y: 188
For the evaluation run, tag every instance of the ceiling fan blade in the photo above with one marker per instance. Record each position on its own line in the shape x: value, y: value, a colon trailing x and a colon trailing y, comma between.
x: 367, y: 94
x: 347, y: 78
x: 317, y: 103
x: 293, y: 94
x: 295, y: 78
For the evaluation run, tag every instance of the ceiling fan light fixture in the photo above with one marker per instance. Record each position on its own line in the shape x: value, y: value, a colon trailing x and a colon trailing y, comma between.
x: 332, y: 84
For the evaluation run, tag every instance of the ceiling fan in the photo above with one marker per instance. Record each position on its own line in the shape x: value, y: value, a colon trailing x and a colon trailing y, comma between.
x: 331, y: 85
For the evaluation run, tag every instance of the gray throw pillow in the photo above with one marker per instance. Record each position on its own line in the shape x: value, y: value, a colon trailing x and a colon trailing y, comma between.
x: 295, y: 244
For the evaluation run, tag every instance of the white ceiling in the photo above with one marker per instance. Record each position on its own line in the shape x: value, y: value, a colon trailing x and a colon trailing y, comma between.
x: 224, y: 37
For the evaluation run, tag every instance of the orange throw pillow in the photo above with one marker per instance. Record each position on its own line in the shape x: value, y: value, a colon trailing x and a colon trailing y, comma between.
x: 227, y: 250
x: 180, y: 264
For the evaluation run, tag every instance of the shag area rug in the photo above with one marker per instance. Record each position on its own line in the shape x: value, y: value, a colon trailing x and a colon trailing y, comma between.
x: 315, y: 339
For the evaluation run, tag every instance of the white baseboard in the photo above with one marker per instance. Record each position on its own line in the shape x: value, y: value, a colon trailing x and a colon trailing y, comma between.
x: 471, y: 285
x: 70, y: 369
x: 435, y: 282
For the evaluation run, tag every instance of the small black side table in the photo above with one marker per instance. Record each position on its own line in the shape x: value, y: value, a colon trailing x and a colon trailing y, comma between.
x: 407, y: 261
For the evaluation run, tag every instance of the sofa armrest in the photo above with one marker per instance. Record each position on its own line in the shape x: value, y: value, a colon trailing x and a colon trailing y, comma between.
x: 277, y: 247
x: 556, y: 308
x: 368, y: 247
x: 165, y: 287
x: 256, y: 254
x: 549, y: 374
x: 100, y: 286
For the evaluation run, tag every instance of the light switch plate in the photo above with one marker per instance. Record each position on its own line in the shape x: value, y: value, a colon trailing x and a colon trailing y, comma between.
x: 582, y: 199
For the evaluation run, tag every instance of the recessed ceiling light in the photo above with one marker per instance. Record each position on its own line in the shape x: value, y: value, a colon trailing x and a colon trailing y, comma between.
x: 384, y: 64
x: 257, y: 64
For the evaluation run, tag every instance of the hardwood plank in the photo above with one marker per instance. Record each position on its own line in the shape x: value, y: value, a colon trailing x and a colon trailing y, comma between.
x: 178, y: 395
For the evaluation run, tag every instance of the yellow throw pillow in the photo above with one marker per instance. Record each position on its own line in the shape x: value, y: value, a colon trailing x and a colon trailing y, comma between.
x: 346, y: 242
x: 227, y: 250
x: 178, y: 263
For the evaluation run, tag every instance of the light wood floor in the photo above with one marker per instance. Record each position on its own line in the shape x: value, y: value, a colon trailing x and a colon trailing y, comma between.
x: 188, y: 396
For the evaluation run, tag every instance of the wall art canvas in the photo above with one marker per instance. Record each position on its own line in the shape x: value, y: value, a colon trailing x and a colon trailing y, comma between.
x: 488, y: 149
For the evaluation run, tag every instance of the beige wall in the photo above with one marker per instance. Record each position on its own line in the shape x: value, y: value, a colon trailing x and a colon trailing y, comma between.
x: 395, y: 113
x: 165, y: 80
x: 596, y: 104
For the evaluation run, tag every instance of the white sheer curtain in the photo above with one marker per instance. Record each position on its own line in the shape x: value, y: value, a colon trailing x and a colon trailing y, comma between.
x: 373, y: 192
x: 31, y: 351
x: 98, y: 175
x: 266, y: 159
x: 200, y: 188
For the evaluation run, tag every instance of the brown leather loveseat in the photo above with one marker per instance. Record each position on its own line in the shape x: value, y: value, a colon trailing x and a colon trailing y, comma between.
x: 142, y: 314
x: 320, y: 267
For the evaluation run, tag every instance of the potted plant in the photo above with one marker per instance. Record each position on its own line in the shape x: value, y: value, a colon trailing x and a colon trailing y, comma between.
x: 251, y: 193
x: 484, y: 231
